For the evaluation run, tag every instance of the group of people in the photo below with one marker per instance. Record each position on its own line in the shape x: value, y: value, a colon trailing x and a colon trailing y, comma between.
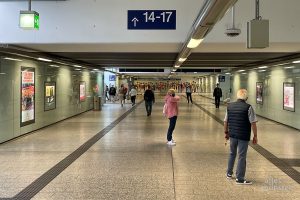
x: 122, y: 94
x: 239, y: 120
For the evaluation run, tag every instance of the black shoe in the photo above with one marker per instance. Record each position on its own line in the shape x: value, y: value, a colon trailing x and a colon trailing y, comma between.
x: 243, y: 182
x: 229, y: 176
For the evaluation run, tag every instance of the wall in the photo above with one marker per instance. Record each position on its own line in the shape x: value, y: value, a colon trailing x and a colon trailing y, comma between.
x: 67, y: 95
x: 272, y: 79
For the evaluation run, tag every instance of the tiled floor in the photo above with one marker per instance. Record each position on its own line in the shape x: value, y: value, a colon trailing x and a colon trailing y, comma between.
x: 132, y: 161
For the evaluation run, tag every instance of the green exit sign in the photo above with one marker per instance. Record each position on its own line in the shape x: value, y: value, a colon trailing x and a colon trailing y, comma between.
x: 29, y: 20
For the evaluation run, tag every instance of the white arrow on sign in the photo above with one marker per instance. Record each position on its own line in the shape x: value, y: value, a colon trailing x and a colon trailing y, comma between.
x: 134, y: 20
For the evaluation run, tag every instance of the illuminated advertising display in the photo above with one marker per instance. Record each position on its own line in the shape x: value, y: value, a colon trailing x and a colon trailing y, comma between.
x: 82, y: 95
x: 259, y: 93
x: 50, y: 96
x: 27, y: 96
x: 289, y: 96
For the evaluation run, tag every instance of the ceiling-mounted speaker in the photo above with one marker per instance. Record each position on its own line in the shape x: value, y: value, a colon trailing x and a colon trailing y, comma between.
x: 258, y: 33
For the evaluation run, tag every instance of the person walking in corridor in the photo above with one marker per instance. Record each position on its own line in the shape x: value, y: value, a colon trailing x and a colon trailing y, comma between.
x: 133, y: 94
x: 188, y: 91
x: 149, y: 100
x: 239, y: 120
x: 171, y: 112
x: 217, y: 94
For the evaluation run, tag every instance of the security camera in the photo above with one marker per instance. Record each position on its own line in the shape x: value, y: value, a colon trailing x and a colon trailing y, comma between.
x: 232, y: 32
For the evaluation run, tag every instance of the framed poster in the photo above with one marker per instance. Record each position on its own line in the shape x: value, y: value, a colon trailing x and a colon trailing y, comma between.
x: 82, y: 95
x: 289, y: 96
x: 27, y: 96
x: 50, y: 96
x: 259, y: 92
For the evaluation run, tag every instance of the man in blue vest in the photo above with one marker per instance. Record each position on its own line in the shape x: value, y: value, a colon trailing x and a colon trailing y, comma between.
x: 239, y: 120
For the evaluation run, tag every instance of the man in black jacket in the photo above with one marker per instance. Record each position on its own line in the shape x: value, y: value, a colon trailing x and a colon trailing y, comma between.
x: 149, y: 100
x: 239, y: 120
x: 217, y: 94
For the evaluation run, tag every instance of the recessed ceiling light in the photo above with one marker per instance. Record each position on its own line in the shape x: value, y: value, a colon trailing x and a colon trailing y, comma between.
x: 242, y: 70
x: 77, y: 66
x: 227, y: 73
x: 44, y: 59
x: 54, y: 66
x: 195, y: 72
x: 289, y: 67
x: 263, y: 67
x: 14, y: 59
x: 296, y: 61
x: 263, y: 70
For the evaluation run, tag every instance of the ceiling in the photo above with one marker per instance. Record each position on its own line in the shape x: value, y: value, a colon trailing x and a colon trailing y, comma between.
x: 153, y: 64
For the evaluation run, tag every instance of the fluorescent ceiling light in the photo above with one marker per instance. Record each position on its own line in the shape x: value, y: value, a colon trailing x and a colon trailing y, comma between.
x: 193, y: 43
x: 227, y: 73
x: 177, y: 66
x: 54, y: 66
x: 2, y: 73
x: 289, y: 67
x: 174, y: 70
x: 14, y: 59
x: 263, y: 70
x: 297, y: 61
x: 242, y: 70
x: 77, y: 66
x: 263, y: 67
x: 77, y: 69
x: 195, y: 72
x: 244, y: 73
x: 182, y: 59
x: 44, y: 59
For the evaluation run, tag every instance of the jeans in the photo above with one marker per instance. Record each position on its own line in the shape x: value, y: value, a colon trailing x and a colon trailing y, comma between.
x: 240, y: 147
x: 171, y: 127
x: 148, y: 105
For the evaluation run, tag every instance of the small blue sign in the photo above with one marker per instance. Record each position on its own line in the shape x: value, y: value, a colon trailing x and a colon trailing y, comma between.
x: 112, y: 77
x: 221, y: 78
x: 151, y: 19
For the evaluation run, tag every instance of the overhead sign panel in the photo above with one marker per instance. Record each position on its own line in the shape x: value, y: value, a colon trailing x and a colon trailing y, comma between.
x: 151, y: 19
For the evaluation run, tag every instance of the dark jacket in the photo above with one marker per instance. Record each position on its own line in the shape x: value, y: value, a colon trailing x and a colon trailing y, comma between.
x: 238, y: 120
x: 149, y: 96
x: 217, y: 92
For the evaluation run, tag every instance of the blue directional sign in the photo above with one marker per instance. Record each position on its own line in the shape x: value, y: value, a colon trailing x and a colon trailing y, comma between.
x: 151, y: 19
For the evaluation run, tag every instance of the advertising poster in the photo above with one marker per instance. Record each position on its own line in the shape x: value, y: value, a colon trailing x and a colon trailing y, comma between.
x: 289, y: 96
x: 50, y: 96
x: 259, y: 92
x: 82, y: 91
x: 27, y: 96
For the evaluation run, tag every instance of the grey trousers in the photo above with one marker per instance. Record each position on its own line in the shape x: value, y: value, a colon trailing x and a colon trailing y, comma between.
x: 239, y: 147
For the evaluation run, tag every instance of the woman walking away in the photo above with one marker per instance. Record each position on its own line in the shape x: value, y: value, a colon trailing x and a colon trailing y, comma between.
x: 171, y: 111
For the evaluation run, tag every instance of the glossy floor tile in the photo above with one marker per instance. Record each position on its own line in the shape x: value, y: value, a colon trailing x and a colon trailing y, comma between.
x: 131, y: 160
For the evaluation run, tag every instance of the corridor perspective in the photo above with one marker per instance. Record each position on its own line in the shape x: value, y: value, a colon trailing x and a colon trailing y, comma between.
x: 121, y: 153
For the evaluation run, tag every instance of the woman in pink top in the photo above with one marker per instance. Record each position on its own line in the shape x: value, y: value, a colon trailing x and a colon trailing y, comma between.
x: 171, y: 102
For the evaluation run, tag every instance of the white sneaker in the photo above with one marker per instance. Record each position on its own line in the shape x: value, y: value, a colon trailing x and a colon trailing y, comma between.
x: 171, y: 143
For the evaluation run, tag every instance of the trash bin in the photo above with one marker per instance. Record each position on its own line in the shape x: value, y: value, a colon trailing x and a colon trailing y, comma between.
x: 97, y: 103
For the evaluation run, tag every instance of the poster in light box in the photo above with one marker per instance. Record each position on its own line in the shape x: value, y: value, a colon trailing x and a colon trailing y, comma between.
x: 27, y: 96
x: 289, y: 96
